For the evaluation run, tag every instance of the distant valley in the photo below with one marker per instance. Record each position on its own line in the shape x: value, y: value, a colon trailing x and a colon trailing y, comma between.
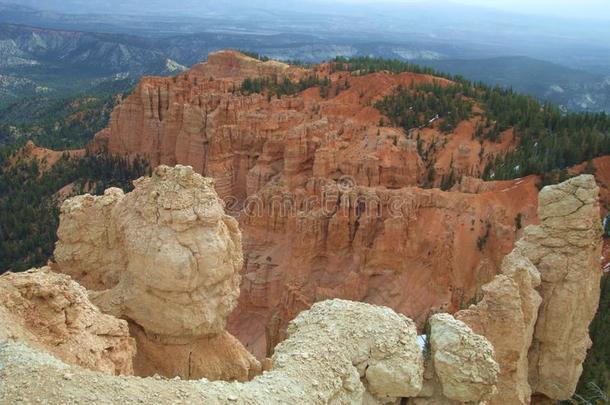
x: 573, y: 89
x: 54, y: 54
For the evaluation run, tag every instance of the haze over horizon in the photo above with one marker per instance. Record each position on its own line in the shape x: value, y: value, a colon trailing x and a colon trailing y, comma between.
x: 595, y: 9
x: 587, y: 9
x: 553, y: 50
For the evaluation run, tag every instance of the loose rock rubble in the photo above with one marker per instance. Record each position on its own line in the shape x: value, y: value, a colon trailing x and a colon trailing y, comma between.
x: 50, y: 312
x: 335, y: 351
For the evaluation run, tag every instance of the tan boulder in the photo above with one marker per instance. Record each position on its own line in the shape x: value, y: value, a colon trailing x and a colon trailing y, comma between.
x: 50, y: 312
x: 463, y: 361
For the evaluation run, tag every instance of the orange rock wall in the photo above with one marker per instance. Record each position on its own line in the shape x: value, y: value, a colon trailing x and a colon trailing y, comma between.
x: 329, y: 201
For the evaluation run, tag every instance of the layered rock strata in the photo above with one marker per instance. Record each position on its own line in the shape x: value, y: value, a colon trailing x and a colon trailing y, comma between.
x: 328, y: 185
x: 413, y: 250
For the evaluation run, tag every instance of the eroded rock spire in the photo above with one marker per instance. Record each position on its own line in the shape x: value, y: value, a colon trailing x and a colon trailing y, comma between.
x: 166, y: 258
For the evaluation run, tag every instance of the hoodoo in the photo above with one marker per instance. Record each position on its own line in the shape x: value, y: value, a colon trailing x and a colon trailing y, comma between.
x: 166, y: 258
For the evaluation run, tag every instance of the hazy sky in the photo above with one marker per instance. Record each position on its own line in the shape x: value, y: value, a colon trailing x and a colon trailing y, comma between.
x: 599, y: 9
x: 569, y: 8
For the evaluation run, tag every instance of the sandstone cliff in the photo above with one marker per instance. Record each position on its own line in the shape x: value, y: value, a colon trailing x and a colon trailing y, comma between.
x: 411, y: 249
x: 318, y: 184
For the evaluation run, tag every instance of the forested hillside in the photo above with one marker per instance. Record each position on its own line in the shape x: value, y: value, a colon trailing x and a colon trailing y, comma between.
x: 60, y: 123
x: 549, y: 139
x: 29, y: 201
x: 29, y: 206
x: 572, y: 89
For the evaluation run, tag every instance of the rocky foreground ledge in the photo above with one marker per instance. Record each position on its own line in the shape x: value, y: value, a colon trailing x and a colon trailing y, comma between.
x: 338, y: 352
x: 162, y: 268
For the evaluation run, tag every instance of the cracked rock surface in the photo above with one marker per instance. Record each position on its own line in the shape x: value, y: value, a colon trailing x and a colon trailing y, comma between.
x: 463, y: 361
x: 566, y: 250
x: 506, y: 316
x: 169, y: 261
x: 537, y: 312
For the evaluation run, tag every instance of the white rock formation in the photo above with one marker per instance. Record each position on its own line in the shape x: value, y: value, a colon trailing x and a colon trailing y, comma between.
x: 169, y: 261
x: 566, y: 250
x: 506, y: 317
x: 182, y: 256
x: 338, y: 352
